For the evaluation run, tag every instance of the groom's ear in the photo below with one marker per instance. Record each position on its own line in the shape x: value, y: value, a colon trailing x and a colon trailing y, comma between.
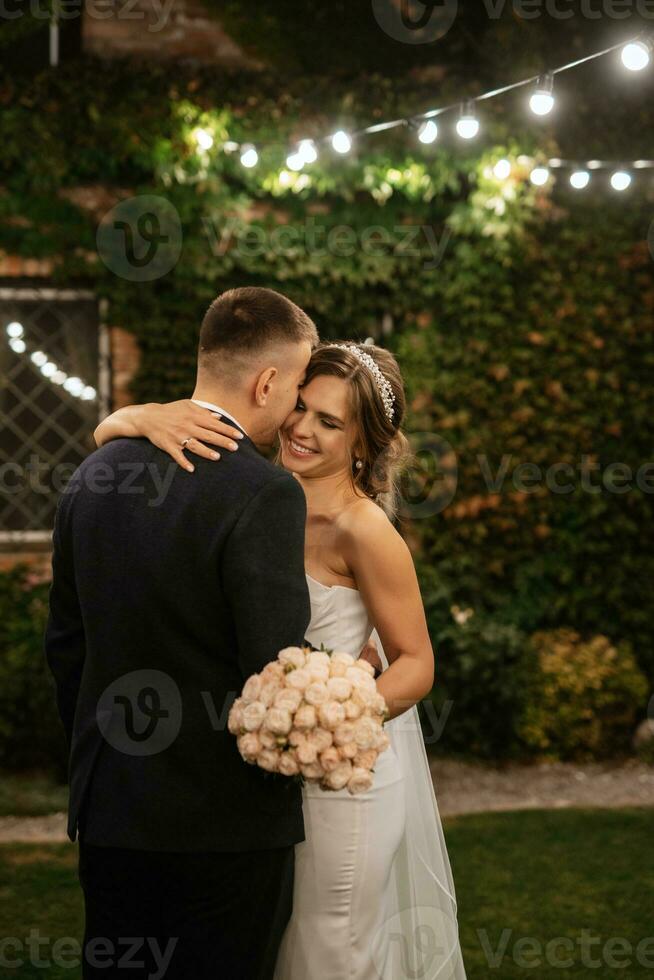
x: 263, y: 385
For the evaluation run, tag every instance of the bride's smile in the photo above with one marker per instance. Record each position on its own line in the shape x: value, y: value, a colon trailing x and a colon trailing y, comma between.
x: 315, y: 437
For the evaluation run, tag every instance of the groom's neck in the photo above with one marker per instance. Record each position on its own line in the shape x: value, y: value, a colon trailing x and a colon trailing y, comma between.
x: 229, y: 400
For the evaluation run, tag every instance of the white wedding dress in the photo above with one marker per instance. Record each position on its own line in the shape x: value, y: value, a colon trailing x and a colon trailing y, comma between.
x: 373, y: 896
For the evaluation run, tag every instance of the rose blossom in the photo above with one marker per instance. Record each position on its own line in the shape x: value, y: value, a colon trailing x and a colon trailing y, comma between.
x: 268, y: 759
x: 362, y: 664
x: 331, y: 714
x: 274, y: 671
x: 364, y: 696
x: 330, y: 759
x: 253, y: 715
x: 360, y: 681
x: 251, y: 688
x: 288, y: 765
x: 296, y: 737
x: 235, y: 718
x: 344, y: 733
x: 339, y: 688
x: 379, y: 705
x: 305, y: 717
x: 306, y: 752
x: 349, y: 750
x: 366, y: 732
x: 338, y: 777
x: 338, y: 657
x: 366, y: 758
x: 321, y: 738
x: 312, y: 770
x: 288, y: 698
x: 360, y: 781
x: 318, y: 658
x: 267, y: 739
x: 319, y: 674
x: 299, y: 679
x: 338, y: 670
x: 249, y: 745
x: 268, y: 691
x: 353, y: 710
x: 292, y: 657
x: 278, y: 720
x: 316, y: 693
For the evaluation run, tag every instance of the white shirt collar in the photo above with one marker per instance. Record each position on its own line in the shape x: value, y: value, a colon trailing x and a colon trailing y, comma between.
x: 221, y: 411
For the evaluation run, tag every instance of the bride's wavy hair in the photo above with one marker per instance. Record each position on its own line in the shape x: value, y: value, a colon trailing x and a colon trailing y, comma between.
x: 382, y: 446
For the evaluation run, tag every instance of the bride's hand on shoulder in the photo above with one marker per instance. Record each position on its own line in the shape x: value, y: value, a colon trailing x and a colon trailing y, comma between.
x: 170, y: 424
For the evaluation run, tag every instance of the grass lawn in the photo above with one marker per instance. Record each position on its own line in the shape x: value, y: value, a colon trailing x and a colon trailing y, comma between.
x: 30, y: 795
x: 531, y: 876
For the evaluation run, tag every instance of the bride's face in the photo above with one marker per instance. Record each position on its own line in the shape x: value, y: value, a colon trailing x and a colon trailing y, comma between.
x: 317, y: 436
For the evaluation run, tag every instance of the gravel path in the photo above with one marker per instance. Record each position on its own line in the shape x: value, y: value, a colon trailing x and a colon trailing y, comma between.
x: 463, y: 787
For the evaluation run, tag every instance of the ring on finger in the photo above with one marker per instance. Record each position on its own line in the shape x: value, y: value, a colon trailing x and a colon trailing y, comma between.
x: 186, y: 441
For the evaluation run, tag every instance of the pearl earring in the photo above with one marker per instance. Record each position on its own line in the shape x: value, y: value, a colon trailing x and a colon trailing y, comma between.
x: 359, y: 464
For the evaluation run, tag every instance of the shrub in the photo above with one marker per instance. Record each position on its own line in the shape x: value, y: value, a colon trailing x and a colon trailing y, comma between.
x: 31, y: 734
x: 585, y: 695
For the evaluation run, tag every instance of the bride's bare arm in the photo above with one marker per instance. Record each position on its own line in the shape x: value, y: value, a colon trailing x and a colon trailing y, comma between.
x: 383, y: 569
x: 167, y: 425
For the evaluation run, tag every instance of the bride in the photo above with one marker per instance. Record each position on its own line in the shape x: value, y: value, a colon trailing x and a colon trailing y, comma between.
x: 373, y: 894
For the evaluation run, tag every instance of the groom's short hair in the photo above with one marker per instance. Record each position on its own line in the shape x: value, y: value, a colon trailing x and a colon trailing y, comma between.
x: 244, y: 321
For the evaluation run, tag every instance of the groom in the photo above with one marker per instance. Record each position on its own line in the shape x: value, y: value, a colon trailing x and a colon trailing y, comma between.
x: 169, y: 589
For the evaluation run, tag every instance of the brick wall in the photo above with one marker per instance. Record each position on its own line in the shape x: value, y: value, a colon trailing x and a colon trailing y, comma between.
x: 161, y: 30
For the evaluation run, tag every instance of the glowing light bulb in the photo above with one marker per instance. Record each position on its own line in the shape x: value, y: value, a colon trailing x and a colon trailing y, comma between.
x: 203, y: 138
x: 17, y: 345
x: 48, y: 369
x: 249, y: 156
x: 636, y: 55
x: 580, y: 179
x: 542, y: 101
x: 620, y: 180
x: 59, y: 377
x: 341, y: 142
x: 39, y: 358
x: 74, y: 385
x: 428, y: 132
x: 295, y: 161
x: 539, y: 176
x: 308, y: 151
x: 468, y: 125
x: 15, y: 329
x: 502, y: 169
x: 88, y: 394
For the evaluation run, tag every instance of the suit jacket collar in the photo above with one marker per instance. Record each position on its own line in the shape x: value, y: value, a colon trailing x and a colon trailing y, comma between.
x: 221, y: 411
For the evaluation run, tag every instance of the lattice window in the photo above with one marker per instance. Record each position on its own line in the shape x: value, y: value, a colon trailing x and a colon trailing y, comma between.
x: 53, y: 390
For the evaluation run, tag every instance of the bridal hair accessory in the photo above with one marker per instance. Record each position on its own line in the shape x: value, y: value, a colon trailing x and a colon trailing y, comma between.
x: 313, y: 714
x: 383, y: 385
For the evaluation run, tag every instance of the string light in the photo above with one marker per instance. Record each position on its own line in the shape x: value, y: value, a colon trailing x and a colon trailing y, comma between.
x: 74, y: 386
x: 17, y: 345
x: 341, y: 141
x: 580, y: 179
x: 502, y: 169
x: 542, y: 101
x: 468, y: 125
x: 308, y: 150
x: 203, y: 138
x: 428, y: 132
x: 636, y: 54
x: 39, y: 358
x: 15, y: 329
x: 539, y: 176
x: 620, y: 180
x: 249, y: 156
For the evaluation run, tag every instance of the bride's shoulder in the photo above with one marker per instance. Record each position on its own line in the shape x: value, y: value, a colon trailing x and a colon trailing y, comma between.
x: 363, y: 521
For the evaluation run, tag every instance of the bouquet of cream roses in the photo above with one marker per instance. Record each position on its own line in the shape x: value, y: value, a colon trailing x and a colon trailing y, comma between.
x: 315, y: 714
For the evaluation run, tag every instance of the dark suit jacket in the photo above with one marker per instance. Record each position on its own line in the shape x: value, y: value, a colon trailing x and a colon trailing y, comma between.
x: 169, y: 589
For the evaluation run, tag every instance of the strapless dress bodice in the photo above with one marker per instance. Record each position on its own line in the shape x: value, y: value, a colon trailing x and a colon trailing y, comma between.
x: 339, y: 618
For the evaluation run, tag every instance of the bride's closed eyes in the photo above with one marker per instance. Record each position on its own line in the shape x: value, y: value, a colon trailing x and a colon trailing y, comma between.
x: 324, y: 416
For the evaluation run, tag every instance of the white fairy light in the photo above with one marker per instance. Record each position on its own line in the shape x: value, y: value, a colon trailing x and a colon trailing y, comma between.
x: 468, y: 125
x: 295, y: 161
x: 249, y: 155
x: 48, y: 369
x: 620, y: 180
x: 74, y: 386
x: 59, y: 377
x: 539, y: 176
x: 17, y: 345
x: 580, y: 179
x: 428, y: 132
x: 307, y: 149
x: 88, y: 393
x: 15, y: 329
x: 636, y: 54
x: 203, y: 138
x: 502, y: 169
x: 39, y: 358
x: 341, y: 141
x: 542, y: 101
